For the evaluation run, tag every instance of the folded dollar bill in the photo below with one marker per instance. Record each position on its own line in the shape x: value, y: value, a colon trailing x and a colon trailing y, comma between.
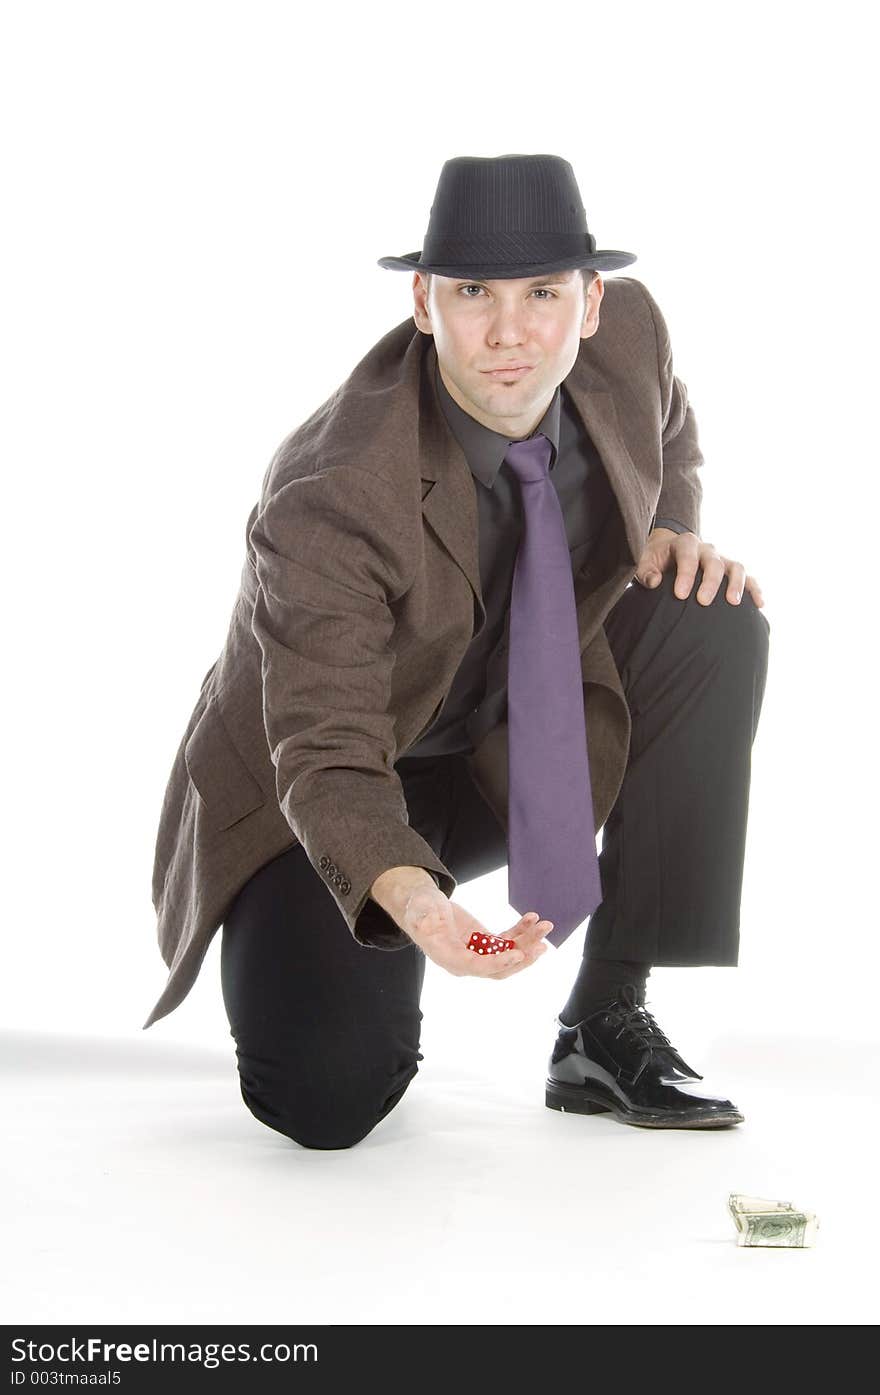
x: 777, y: 1223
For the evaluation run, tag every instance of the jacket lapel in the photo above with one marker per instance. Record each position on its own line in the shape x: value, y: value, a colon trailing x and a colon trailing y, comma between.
x: 595, y: 407
x: 449, y: 499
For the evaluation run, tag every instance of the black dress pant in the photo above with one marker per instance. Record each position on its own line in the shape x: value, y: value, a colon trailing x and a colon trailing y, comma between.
x: 327, y: 1031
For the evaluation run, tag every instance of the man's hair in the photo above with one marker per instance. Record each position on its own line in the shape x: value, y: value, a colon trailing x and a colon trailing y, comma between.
x: 588, y: 274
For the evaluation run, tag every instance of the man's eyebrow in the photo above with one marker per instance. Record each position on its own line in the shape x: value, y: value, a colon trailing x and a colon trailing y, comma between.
x: 555, y: 279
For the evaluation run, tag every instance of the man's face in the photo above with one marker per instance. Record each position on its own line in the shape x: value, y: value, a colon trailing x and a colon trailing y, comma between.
x: 483, y: 329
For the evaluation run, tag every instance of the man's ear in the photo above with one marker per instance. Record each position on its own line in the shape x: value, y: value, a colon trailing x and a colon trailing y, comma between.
x: 420, y: 303
x: 590, y: 322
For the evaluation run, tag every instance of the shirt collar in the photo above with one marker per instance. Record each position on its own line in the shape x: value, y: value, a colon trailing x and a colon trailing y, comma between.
x: 485, y: 449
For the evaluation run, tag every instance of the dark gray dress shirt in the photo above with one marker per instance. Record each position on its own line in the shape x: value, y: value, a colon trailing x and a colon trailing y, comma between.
x: 477, y: 698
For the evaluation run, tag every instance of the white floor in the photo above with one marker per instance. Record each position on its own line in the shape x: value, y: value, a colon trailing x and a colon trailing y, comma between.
x: 139, y: 1188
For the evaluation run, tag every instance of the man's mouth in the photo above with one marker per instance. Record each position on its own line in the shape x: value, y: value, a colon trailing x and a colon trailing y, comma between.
x: 511, y: 372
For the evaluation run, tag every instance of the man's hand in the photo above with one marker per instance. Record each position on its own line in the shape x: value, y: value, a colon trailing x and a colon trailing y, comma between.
x: 441, y: 929
x: 689, y: 553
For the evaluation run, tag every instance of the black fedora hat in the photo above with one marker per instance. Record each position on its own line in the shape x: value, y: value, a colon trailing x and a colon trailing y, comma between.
x: 507, y: 216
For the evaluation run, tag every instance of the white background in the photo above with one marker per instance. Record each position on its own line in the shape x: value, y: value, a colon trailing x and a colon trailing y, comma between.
x: 196, y: 198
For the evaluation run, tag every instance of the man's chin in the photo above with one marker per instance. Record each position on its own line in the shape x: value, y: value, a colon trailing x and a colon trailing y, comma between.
x: 506, y: 398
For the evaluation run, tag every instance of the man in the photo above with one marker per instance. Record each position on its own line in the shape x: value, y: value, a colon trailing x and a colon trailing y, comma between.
x: 438, y: 664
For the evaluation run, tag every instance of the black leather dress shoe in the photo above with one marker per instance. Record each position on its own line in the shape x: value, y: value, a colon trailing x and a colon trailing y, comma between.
x: 618, y: 1060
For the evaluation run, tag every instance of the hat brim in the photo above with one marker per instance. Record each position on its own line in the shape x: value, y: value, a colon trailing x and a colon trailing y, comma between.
x: 605, y: 260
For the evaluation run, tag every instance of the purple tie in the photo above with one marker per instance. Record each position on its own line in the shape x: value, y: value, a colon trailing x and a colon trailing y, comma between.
x: 552, y: 864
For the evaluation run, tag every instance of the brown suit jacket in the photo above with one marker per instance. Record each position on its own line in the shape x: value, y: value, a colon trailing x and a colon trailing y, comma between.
x: 360, y: 593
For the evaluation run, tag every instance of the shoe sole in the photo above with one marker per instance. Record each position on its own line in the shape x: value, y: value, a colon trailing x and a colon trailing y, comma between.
x: 574, y: 1099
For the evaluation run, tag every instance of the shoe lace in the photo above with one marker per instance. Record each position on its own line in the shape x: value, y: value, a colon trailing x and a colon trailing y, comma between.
x: 636, y: 1021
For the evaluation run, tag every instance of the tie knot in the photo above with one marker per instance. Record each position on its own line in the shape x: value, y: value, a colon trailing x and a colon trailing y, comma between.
x: 530, y: 459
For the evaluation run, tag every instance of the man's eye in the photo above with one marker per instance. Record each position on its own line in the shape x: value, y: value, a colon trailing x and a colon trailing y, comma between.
x: 474, y: 287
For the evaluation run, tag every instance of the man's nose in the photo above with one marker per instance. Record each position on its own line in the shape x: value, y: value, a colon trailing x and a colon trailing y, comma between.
x: 508, y: 324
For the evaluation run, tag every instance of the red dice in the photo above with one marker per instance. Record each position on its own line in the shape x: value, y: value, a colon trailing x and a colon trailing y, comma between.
x: 489, y: 944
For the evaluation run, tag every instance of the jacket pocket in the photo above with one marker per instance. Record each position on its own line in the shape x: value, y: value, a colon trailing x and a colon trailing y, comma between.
x: 223, y: 782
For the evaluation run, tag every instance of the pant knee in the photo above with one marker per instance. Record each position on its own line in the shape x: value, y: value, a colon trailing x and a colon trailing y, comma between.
x: 740, y: 630
x: 327, y: 1117
x: 325, y: 1136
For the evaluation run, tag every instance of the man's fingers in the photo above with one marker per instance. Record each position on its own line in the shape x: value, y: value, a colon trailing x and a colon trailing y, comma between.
x: 492, y: 965
x: 527, y: 942
x: 537, y: 928
x: 736, y: 577
x: 531, y: 940
x: 500, y: 970
x: 686, y: 550
x: 530, y: 947
x: 754, y: 591
x: 713, y: 575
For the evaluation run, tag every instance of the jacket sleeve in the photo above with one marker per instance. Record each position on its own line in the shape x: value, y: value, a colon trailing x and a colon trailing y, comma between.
x: 331, y: 553
x: 681, y: 491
